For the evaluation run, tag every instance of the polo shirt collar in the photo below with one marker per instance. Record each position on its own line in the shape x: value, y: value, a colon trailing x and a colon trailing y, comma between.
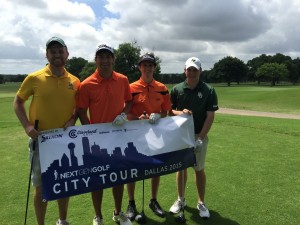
x: 146, y: 84
x: 50, y: 74
x: 198, y: 86
x: 100, y: 78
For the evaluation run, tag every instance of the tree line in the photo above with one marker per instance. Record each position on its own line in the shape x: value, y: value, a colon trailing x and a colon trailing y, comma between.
x: 264, y: 68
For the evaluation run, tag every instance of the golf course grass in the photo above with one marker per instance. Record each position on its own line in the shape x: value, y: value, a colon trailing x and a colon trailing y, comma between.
x: 252, y: 167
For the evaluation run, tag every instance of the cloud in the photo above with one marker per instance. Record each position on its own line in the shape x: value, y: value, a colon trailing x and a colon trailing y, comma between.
x: 174, y: 29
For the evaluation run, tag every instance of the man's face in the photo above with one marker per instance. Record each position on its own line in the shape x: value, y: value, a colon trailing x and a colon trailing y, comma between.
x: 147, y: 68
x: 104, y: 60
x: 192, y: 74
x: 57, y: 55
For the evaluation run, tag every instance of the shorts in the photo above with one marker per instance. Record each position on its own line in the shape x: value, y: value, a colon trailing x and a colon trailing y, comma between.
x: 36, y: 177
x: 201, y: 154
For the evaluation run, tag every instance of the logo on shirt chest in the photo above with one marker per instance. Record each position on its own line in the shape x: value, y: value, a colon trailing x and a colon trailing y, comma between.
x: 71, y: 86
x: 200, y: 95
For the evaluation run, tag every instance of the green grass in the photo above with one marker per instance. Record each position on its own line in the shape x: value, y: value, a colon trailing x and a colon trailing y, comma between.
x: 279, y: 99
x: 252, y: 171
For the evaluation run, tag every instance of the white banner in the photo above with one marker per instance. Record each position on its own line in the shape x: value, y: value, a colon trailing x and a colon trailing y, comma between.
x: 86, y: 158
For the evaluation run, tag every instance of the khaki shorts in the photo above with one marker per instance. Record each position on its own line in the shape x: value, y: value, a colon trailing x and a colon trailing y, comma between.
x: 36, y: 177
x: 201, y: 154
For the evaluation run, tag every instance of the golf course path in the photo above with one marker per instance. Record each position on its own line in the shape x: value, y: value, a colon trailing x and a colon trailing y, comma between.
x: 257, y: 113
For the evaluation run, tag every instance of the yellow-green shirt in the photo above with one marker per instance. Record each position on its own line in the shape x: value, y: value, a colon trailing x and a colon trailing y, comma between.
x: 53, y: 98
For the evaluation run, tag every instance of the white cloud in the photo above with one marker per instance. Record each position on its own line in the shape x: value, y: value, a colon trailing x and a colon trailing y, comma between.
x: 173, y: 29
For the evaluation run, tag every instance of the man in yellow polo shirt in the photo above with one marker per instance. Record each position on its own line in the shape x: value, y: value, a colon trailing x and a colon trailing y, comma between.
x: 53, y: 104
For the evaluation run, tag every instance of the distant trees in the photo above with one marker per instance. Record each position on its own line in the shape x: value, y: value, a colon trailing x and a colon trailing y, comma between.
x: 273, y: 71
x: 292, y: 67
x: 2, y: 79
x: 87, y: 70
x: 173, y: 78
x: 75, y: 65
x: 126, y: 58
x: 230, y: 69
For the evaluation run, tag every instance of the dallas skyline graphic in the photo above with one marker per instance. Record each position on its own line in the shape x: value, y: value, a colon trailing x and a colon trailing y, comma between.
x: 94, y: 156
x: 99, y: 170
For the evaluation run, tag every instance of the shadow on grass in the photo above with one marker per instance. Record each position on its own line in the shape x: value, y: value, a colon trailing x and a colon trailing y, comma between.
x: 215, y: 218
x: 192, y: 217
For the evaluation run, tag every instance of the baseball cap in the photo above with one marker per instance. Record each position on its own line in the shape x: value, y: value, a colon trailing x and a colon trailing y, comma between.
x: 55, y: 39
x: 193, y: 61
x: 147, y: 57
x: 105, y: 47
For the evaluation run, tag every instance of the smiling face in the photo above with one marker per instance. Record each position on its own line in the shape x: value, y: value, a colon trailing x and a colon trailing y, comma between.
x: 147, y: 69
x: 104, y: 61
x: 57, y: 55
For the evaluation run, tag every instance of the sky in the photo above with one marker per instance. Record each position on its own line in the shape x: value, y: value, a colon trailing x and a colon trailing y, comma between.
x: 173, y: 29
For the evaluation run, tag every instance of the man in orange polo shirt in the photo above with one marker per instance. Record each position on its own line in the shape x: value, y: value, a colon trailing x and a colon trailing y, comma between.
x: 151, y: 101
x: 106, y: 95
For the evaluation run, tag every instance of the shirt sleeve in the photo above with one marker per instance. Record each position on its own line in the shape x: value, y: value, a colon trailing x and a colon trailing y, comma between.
x: 26, y: 89
x: 174, y: 98
x: 212, y: 101
x: 166, y: 106
x: 127, y: 91
x: 83, y: 97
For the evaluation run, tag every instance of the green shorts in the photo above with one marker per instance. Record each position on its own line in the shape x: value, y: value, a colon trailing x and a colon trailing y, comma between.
x: 36, y: 177
x: 201, y: 154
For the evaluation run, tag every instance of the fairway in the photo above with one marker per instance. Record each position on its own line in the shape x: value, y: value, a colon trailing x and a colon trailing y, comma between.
x: 252, y: 170
x: 279, y: 99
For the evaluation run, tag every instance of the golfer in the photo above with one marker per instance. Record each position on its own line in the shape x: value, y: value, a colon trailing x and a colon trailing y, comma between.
x: 53, y: 91
x: 106, y: 95
x: 151, y: 100
x: 200, y: 100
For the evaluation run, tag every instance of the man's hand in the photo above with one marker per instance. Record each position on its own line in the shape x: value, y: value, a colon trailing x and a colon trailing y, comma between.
x: 198, y: 144
x: 32, y: 132
x: 186, y: 111
x: 120, y: 120
x: 154, y: 117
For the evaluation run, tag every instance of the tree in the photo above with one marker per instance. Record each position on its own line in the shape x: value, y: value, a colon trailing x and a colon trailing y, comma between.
x: 293, y: 69
x: 230, y: 69
x: 254, y: 64
x: 126, y: 58
x: 280, y: 58
x: 272, y: 71
x: 157, y: 71
x: 2, y: 79
x: 75, y: 65
x: 87, y: 70
x: 295, y: 77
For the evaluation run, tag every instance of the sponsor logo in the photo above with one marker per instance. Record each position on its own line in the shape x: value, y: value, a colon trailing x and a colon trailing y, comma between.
x: 74, y: 133
x: 49, y: 137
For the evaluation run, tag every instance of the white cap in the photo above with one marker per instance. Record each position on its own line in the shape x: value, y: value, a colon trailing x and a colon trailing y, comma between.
x: 105, y: 47
x: 193, y: 61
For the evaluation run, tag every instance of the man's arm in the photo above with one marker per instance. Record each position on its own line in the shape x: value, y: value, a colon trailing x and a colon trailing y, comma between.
x: 127, y: 107
x: 174, y: 112
x: 210, y: 115
x: 72, y: 120
x: 19, y: 107
x: 83, y: 117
